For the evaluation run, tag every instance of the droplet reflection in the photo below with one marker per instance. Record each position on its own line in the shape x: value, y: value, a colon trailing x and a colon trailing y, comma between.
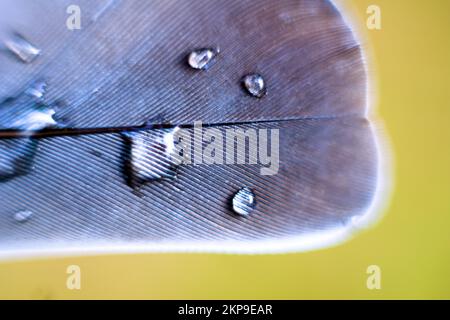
x: 255, y: 85
x: 244, y: 201
x: 152, y: 155
x: 203, y: 58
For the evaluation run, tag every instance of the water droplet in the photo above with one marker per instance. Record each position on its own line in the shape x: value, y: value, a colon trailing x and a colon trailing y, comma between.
x: 28, y: 115
x: 37, y: 89
x: 35, y: 120
x: 152, y: 155
x: 203, y: 58
x: 244, y: 201
x: 27, y: 111
x: 23, y: 216
x: 22, y: 48
x: 255, y: 85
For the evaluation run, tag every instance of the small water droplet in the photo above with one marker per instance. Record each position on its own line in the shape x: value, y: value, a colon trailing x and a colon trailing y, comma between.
x: 37, y: 89
x: 244, y: 201
x: 152, y: 155
x: 23, y: 216
x: 255, y: 85
x: 22, y: 48
x: 202, y: 59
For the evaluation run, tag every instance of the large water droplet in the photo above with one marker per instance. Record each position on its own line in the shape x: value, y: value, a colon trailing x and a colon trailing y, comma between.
x: 255, y: 85
x: 27, y: 111
x: 35, y: 120
x: 22, y: 48
x: 23, y: 216
x: 244, y: 201
x: 202, y: 59
x: 152, y: 155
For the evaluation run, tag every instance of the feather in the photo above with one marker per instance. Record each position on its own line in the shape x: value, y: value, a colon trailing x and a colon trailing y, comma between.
x: 129, y: 64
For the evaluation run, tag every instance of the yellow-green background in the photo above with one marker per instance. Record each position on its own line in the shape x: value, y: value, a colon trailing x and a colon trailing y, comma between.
x: 410, y: 59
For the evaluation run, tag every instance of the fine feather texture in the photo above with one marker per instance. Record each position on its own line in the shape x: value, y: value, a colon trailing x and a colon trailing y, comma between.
x: 127, y: 65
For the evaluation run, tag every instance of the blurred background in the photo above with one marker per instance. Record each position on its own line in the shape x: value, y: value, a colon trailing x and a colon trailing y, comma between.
x: 410, y: 70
